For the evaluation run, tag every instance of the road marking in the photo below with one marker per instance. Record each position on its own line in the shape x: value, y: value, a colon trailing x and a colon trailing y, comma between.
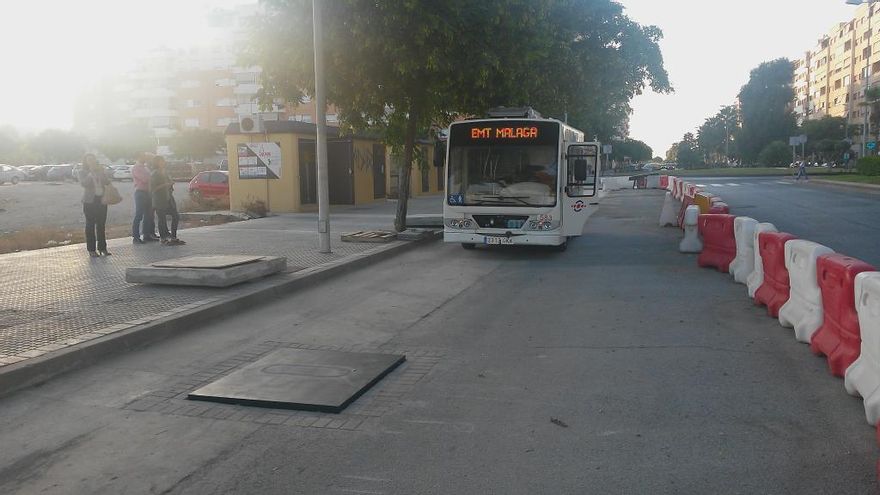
x: 701, y: 185
x: 783, y: 182
x: 717, y: 185
x: 732, y: 184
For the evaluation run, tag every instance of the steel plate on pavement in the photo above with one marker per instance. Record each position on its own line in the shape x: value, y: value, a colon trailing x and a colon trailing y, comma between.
x: 210, y: 262
x: 313, y: 380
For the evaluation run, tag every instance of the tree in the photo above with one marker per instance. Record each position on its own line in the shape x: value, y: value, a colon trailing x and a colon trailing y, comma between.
x: 765, y: 107
x: 54, y: 145
x: 196, y: 144
x: 775, y: 154
x: 687, y: 153
x: 715, y: 137
x: 672, y: 153
x: 399, y: 66
x: 10, y: 144
x: 657, y: 159
x: 825, y: 138
x: 635, y: 150
x: 126, y: 141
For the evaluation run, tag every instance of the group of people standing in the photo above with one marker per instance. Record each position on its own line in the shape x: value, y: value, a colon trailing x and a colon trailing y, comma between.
x: 153, y: 198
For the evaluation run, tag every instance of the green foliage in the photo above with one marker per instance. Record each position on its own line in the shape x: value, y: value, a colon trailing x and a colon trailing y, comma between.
x: 657, y: 159
x: 765, y: 106
x: 868, y: 165
x: 775, y: 154
x: 716, y: 137
x: 687, y: 153
x: 126, y: 141
x: 399, y: 66
x: 57, y: 146
x: 197, y: 143
x: 636, y: 151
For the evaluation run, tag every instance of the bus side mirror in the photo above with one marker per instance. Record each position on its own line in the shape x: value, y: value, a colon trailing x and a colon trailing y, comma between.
x: 580, y: 169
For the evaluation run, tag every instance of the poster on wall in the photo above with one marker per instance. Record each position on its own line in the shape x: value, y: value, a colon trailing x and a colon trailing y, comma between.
x: 259, y: 161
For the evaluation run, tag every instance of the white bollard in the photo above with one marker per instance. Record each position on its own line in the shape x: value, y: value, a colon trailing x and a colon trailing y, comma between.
x: 669, y: 213
x: 863, y: 376
x: 744, y: 264
x: 756, y: 279
x: 653, y: 182
x: 691, y: 242
x: 803, y: 310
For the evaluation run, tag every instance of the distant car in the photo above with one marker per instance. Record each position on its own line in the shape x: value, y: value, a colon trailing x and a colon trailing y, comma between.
x: 11, y: 174
x: 60, y: 173
x: 213, y: 184
x: 34, y: 172
x: 122, y: 172
x: 179, y: 171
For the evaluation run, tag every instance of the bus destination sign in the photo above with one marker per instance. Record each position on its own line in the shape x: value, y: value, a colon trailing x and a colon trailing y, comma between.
x: 487, y: 132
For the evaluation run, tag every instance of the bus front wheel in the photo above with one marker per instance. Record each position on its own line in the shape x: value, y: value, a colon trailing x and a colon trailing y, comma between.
x: 561, y: 247
x: 468, y: 245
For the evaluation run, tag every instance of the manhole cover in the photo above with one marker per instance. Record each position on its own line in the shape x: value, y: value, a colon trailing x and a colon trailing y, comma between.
x: 216, y: 262
x: 312, y: 380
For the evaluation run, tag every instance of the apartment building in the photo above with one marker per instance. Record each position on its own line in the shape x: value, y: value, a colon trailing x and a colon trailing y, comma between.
x: 831, y: 78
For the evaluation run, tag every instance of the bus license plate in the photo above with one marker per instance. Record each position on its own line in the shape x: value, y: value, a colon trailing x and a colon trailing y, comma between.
x: 499, y: 240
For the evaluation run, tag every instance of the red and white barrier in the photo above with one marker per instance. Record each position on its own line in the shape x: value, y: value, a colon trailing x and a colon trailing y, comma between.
x: 774, y: 292
x: 756, y: 278
x: 719, y: 243
x: 839, y: 337
x: 863, y: 376
x: 744, y: 263
x: 803, y: 310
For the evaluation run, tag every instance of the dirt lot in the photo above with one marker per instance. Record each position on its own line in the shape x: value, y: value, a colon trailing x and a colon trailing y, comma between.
x: 58, y: 205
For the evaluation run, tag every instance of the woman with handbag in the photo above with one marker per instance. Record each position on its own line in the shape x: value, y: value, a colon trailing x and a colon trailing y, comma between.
x: 94, y: 182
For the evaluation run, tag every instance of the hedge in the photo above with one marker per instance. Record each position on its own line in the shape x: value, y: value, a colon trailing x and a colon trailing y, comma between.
x: 868, y: 165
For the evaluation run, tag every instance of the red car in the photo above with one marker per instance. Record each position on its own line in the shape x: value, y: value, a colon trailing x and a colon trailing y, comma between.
x: 210, y: 184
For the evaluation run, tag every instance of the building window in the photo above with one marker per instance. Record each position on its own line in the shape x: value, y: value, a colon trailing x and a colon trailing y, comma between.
x: 191, y: 123
x: 300, y: 118
x: 225, y: 121
x: 225, y: 102
x: 224, y: 83
x: 332, y: 118
x: 193, y: 103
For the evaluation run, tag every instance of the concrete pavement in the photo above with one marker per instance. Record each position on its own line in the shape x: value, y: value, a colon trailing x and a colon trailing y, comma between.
x: 615, y: 367
x: 53, y: 300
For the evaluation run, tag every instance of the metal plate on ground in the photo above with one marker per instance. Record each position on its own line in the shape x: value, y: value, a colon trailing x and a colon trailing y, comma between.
x: 369, y: 236
x: 312, y: 380
x: 215, y: 262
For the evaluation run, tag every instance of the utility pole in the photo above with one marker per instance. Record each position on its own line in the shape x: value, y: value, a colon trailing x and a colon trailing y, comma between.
x: 321, y: 143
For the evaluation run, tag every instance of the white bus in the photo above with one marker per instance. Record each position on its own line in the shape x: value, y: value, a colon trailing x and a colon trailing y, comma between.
x: 517, y: 179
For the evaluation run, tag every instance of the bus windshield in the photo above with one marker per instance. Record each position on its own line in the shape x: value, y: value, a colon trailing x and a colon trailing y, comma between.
x: 502, y: 175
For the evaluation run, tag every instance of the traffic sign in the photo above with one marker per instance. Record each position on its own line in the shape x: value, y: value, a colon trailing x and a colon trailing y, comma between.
x: 606, y: 149
x: 871, y: 145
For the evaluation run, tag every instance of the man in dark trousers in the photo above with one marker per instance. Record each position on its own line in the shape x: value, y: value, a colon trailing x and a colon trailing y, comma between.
x: 144, y: 214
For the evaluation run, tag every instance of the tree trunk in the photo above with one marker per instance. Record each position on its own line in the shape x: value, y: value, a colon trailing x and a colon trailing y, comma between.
x: 405, y: 172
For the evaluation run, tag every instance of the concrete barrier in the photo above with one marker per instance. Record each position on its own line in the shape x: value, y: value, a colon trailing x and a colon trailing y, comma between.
x: 691, y: 242
x: 756, y: 278
x: 720, y: 208
x: 668, y: 217
x: 803, y: 310
x: 744, y: 263
x: 863, y: 376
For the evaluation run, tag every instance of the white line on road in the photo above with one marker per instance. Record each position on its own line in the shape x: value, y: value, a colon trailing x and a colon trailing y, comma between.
x: 783, y: 182
x: 732, y: 184
x: 717, y: 185
x: 701, y: 185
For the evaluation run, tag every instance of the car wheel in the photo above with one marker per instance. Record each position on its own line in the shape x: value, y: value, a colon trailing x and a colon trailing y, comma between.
x: 15, y: 180
x: 562, y: 247
x: 196, y: 196
x: 468, y: 245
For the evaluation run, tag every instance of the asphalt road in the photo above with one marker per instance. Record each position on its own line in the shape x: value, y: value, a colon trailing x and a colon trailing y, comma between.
x: 615, y: 367
x: 844, y: 219
x: 59, y: 204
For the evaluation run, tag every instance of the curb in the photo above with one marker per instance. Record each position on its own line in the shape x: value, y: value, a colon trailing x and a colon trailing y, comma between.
x: 37, y: 370
x: 853, y: 185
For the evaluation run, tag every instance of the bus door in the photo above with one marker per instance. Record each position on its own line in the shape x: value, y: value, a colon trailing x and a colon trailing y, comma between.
x: 581, y: 180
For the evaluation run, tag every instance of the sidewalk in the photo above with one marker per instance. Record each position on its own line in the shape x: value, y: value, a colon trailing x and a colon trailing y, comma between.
x: 52, y: 299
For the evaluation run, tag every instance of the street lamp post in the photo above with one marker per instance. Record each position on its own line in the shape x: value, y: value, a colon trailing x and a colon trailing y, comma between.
x: 321, y: 141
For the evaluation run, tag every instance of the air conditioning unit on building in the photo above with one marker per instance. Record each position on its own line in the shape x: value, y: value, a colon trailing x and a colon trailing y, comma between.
x: 250, y: 124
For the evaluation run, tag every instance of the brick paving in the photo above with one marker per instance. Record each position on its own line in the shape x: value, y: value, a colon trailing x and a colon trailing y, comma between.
x: 58, y: 297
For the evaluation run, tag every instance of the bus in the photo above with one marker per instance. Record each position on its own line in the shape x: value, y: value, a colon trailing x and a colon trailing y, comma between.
x: 516, y: 178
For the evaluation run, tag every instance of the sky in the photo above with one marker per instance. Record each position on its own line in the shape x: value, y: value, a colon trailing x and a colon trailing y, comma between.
x: 709, y: 48
x: 53, y: 49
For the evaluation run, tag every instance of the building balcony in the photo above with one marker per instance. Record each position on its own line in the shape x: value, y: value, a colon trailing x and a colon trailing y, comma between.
x: 246, y: 89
